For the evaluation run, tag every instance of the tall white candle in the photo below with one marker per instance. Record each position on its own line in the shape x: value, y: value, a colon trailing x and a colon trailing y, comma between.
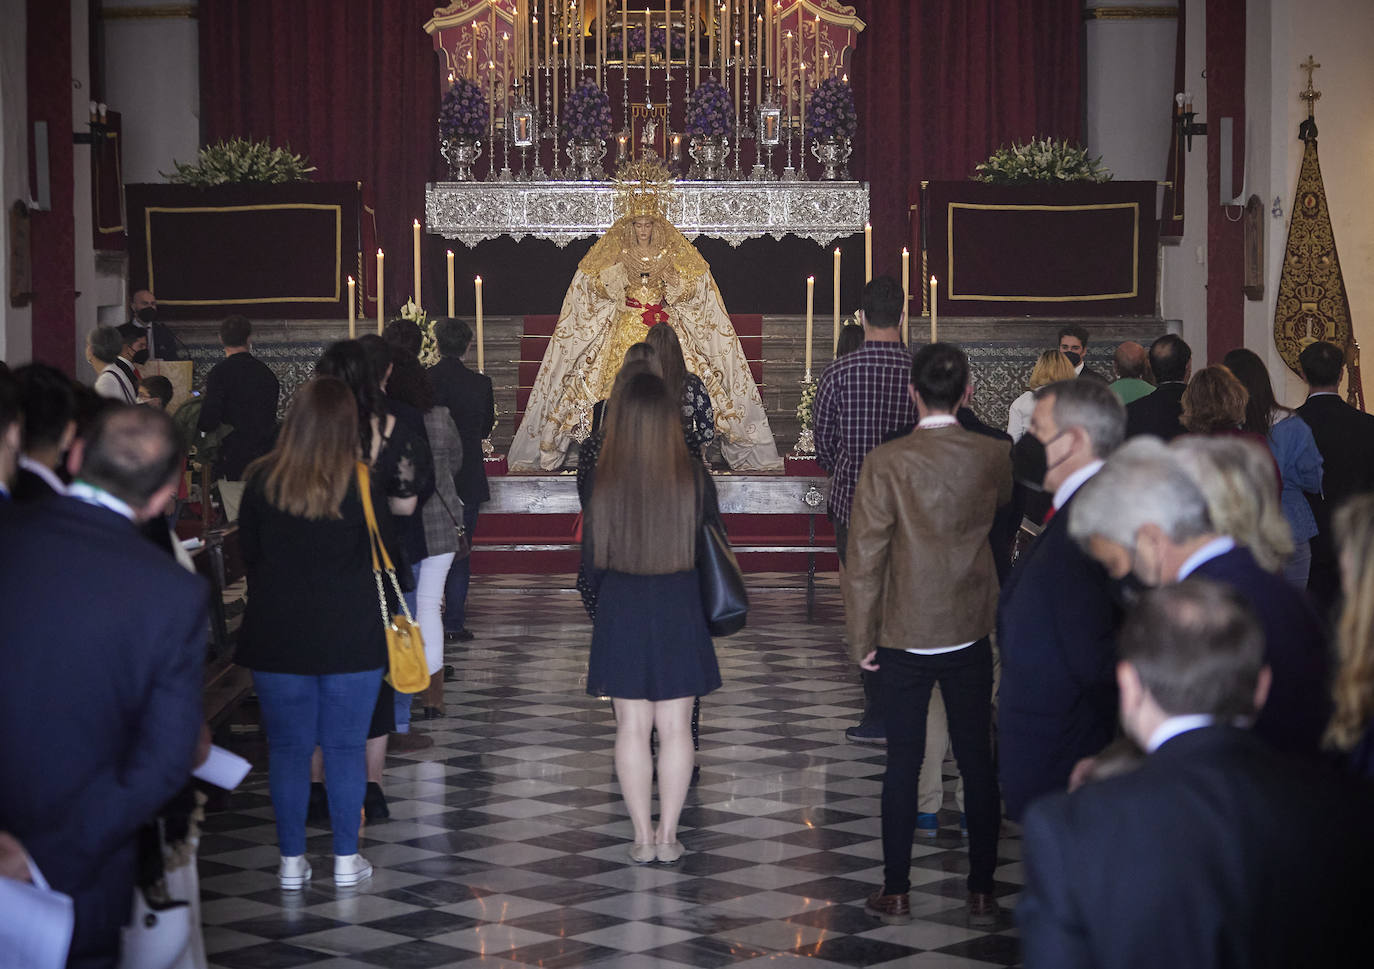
x: 906, y: 294
x: 416, y: 233
x: 449, y: 259
x: 868, y: 253
x: 810, y: 303
x: 837, y: 302
x: 481, y: 350
x: 381, y: 290
x: 352, y: 310
x: 933, y: 313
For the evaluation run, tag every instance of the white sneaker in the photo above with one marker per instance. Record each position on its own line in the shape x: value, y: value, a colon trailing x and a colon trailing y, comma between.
x: 294, y: 872
x: 351, y: 869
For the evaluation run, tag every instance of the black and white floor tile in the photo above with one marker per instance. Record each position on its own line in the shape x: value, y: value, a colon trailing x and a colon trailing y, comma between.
x: 507, y: 839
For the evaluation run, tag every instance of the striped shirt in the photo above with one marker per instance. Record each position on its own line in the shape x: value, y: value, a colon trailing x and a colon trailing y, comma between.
x: 861, y: 398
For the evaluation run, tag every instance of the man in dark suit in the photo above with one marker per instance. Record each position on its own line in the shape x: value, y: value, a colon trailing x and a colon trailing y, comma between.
x: 469, y: 397
x: 159, y: 342
x: 1345, y: 438
x: 1144, y: 515
x: 240, y: 391
x: 49, y: 429
x: 1073, y: 341
x: 87, y: 604
x: 1159, y: 413
x: 1207, y: 854
x: 11, y: 431
x: 1057, y: 618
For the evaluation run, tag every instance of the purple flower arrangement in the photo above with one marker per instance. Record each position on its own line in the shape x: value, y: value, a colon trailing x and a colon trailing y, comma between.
x: 709, y: 110
x: 614, y: 43
x: 587, y: 112
x: 463, y: 111
x: 830, y: 112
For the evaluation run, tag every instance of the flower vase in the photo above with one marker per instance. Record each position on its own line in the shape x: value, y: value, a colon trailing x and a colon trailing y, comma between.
x: 709, y: 153
x: 460, y: 151
x: 833, y: 153
x: 586, y: 155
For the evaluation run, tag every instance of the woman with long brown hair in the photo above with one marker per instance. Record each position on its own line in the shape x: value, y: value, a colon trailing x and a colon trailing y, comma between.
x: 312, y: 632
x: 698, y: 416
x: 651, y: 651
x: 1351, y: 730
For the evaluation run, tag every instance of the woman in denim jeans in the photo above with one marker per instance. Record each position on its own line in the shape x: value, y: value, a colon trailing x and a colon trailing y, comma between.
x: 312, y: 632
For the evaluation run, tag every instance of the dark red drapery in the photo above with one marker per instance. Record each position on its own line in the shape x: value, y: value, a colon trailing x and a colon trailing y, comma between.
x: 351, y: 83
x: 941, y: 84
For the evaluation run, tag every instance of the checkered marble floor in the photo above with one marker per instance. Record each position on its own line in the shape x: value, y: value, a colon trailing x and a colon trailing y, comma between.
x: 506, y: 845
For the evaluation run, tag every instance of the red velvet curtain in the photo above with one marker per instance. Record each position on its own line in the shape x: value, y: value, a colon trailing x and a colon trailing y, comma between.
x: 940, y: 84
x: 351, y: 83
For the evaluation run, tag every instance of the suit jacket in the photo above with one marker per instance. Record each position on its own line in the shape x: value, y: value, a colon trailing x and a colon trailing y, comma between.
x: 1157, y: 413
x: 1008, y: 519
x: 29, y: 486
x: 1345, y: 438
x: 1056, y: 633
x: 919, y: 572
x: 241, y: 391
x: 1206, y: 855
x: 469, y: 397
x: 91, y: 612
x: 1299, y: 703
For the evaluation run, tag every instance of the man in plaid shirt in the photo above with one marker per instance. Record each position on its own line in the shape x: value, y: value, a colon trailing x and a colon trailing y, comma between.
x: 861, y: 398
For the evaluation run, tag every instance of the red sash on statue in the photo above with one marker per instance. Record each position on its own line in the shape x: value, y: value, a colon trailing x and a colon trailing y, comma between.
x: 653, y: 313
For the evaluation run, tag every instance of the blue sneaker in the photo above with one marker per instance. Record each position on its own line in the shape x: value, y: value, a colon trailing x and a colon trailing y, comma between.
x: 963, y: 825
x: 927, y: 825
x: 867, y: 733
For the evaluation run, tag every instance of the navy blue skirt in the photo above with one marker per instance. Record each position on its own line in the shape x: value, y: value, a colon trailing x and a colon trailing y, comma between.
x: 649, y: 640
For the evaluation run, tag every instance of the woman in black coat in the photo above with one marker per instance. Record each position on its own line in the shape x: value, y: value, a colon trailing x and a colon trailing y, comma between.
x: 312, y: 632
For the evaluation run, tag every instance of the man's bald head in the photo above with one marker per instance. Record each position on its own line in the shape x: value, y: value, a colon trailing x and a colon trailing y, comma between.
x: 1131, y: 360
x: 132, y: 452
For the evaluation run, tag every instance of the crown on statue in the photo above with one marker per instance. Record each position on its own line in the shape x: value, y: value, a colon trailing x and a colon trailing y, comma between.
x: 644, y: 187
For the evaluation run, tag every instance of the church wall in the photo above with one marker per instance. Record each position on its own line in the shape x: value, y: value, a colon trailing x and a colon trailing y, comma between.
x: 1183, y: 283
x: 16, y: 343
x: 152, y: 71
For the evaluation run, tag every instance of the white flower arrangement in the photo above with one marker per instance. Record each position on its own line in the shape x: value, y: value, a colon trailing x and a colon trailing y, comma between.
x: 1041, y: 160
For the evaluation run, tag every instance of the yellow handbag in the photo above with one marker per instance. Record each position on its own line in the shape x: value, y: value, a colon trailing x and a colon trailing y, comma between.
x: 407, y: 668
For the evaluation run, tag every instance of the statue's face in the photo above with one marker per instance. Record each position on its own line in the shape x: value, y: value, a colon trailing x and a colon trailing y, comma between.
x: 644, y: 231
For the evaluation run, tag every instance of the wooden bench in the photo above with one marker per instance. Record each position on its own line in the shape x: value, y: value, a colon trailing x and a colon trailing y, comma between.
x: 227, y: 685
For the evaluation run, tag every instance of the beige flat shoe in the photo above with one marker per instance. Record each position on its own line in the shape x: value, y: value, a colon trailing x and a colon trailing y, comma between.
x: 642, y: 854
x: 668, y: 854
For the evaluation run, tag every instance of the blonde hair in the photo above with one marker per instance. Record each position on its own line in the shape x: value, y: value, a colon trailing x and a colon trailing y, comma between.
x: 642, y: 517
x: 309, y: 470
x: 1353, y: 689
x: 1051, y: 368
x: 1236, y: 477
x: 1214, y: 401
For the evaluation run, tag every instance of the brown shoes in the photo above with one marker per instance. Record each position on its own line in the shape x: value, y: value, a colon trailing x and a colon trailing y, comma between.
x: 406, y: 742
x: 892, y: 909
x: 983, y: 909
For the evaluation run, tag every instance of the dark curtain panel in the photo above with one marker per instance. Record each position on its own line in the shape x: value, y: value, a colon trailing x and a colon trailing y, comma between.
x: 940, y: 84
x: 351, y: 83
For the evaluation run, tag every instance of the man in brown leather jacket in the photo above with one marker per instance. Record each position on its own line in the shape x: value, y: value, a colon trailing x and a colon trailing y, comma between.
x: 921, y: 602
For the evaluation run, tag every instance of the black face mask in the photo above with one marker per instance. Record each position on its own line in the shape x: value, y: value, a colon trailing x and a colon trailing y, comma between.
x: 1074, y: 358
x: 1128, y: 590
x: 147, y: 315
x: 1029, y: 465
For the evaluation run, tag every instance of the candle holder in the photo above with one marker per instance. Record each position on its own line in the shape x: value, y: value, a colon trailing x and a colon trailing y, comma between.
x: 789, y: 174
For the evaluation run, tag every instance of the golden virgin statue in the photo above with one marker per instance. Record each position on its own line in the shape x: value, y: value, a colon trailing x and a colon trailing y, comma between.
x: 643, y: 271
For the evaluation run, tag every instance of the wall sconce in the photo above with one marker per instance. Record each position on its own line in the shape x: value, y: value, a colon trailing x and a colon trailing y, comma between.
x: 1183, y: 119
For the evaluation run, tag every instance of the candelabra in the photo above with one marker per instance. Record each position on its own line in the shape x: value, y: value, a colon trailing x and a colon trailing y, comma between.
x: 789, y: 174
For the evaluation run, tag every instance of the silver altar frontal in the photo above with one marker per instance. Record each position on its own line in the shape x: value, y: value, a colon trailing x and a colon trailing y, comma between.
x: 472, y: 212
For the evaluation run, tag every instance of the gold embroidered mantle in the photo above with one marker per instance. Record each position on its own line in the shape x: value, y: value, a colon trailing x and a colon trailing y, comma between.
x: 595, y: 327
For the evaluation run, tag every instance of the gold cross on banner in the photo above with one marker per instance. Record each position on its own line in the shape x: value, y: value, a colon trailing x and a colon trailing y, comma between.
x: 1310, y: 95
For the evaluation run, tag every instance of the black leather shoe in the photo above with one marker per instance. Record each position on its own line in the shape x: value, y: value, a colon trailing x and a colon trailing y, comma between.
x: 463, y: 635
x: 374, y: 803
x: 432, y: 713
x: 450, y: 674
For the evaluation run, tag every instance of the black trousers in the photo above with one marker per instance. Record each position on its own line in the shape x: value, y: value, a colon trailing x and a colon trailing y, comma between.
x: 904, y: 685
